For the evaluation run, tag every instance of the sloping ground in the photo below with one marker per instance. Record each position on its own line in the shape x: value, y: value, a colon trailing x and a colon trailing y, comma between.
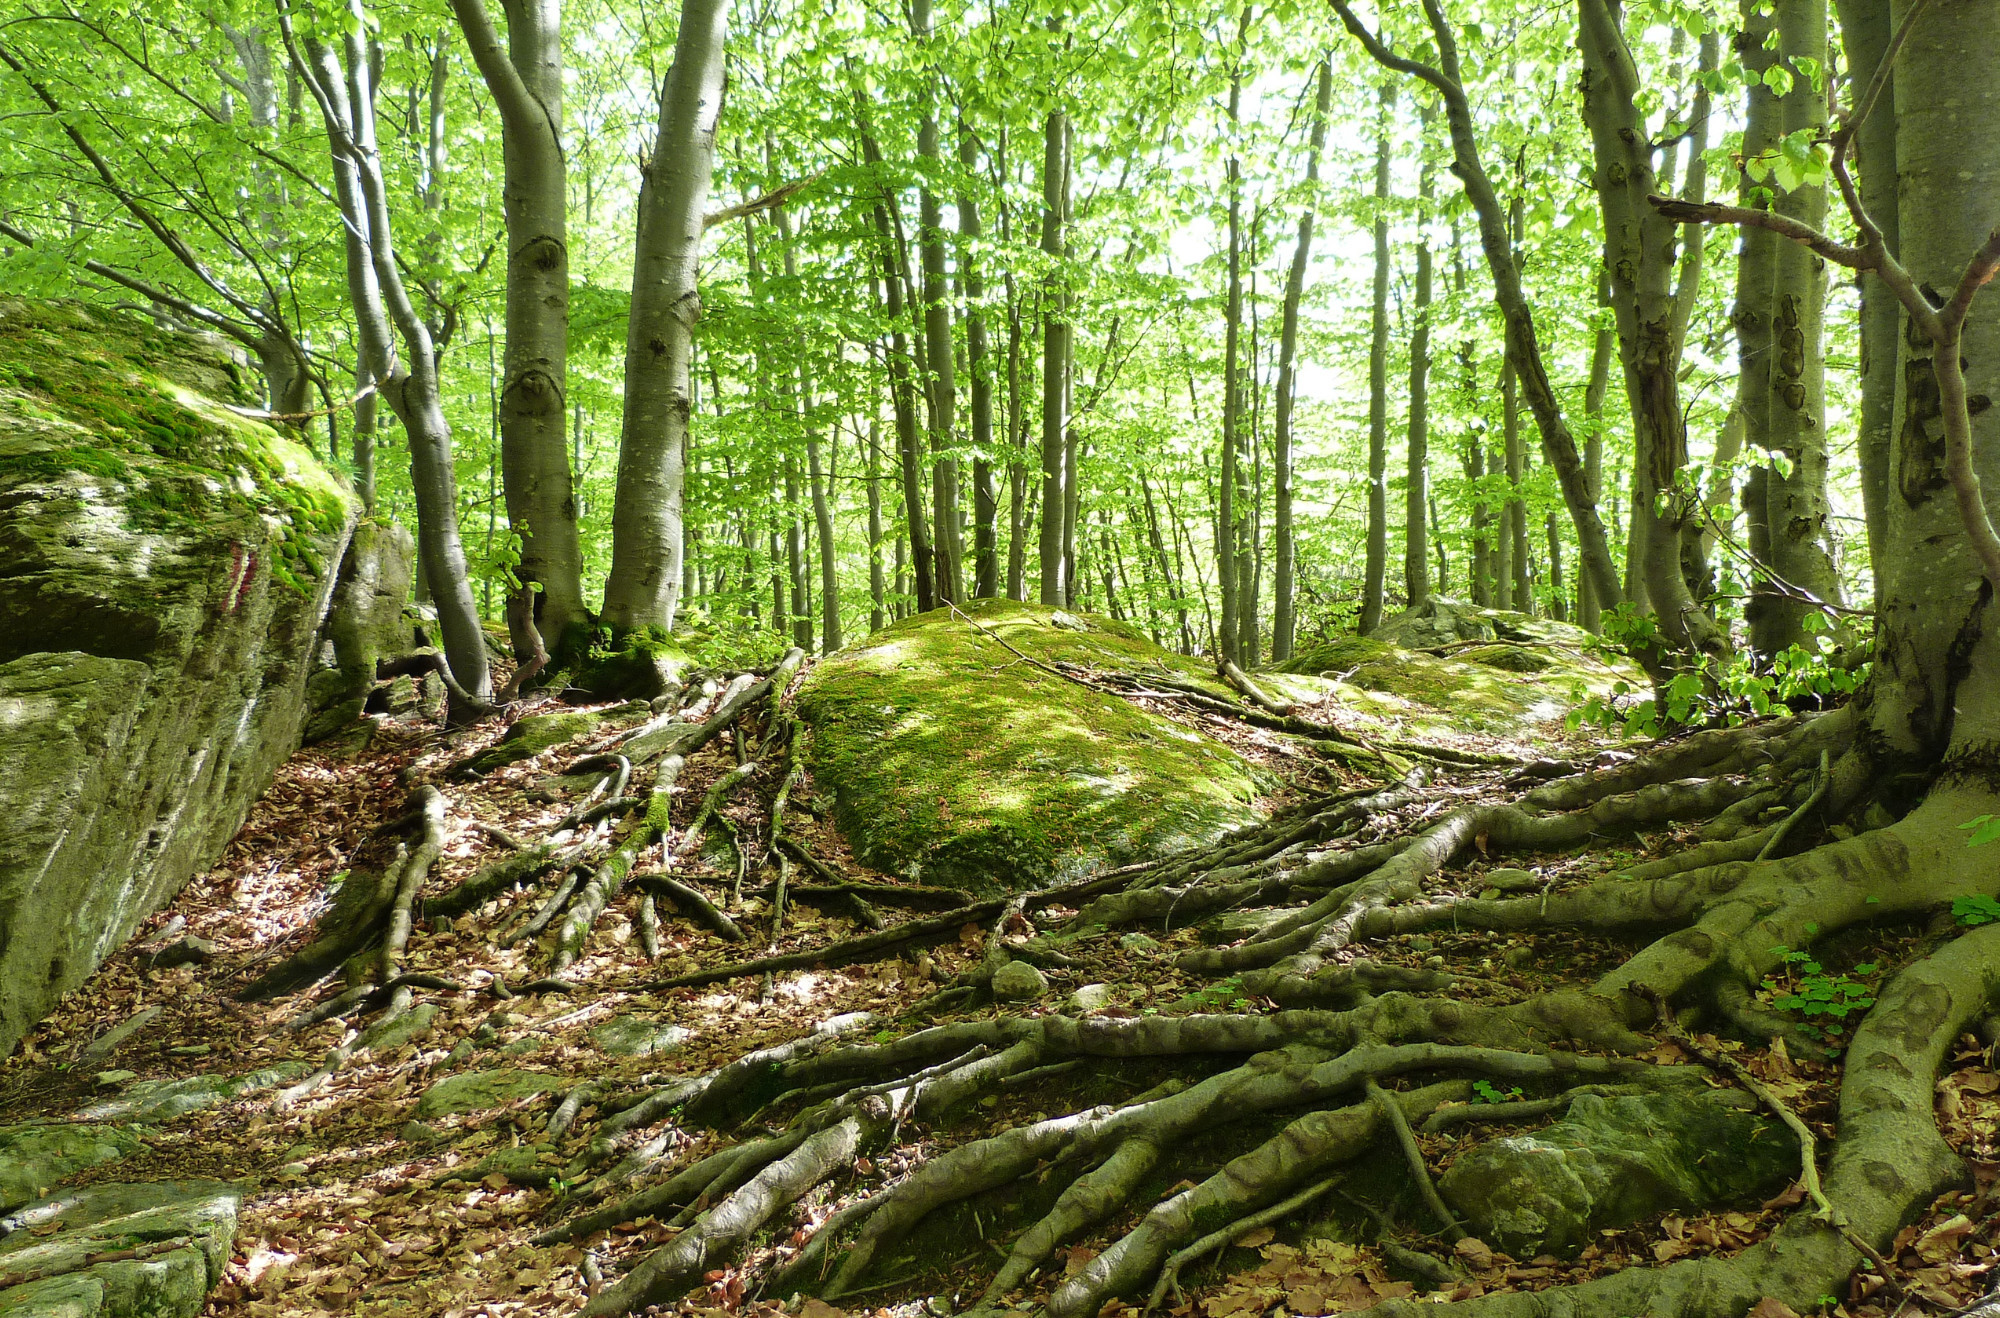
x: 164, y: 565
x: 412, y: 1184
x: 958, y: 754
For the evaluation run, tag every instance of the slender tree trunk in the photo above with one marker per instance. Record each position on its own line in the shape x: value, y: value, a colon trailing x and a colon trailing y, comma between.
x: 1416, y: 470
x: 1588, y: 612
x: 526, y: 82
x: 946, y: 539
x: 1378, y: 388
x: 1284, y: 622
x: 1229, y: 517
x: 342, y: 84
x: 646, y: 512
x: 1800, y: 514
x: 1640, y: 247
x: 1055, y: 356
x: 978, y: 366
x: 902, y: 385
x: 877, y: 612
x: 1514, y: 516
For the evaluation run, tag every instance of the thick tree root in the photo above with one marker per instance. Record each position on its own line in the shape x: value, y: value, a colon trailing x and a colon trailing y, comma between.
x: 1358, y: 868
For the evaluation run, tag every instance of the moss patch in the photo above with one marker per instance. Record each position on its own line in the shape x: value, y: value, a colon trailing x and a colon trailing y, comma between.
x: 528, y: 738
x: 952, y: 758
x: 108, y: 395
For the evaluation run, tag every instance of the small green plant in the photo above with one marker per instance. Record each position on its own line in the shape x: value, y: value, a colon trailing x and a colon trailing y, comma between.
x: 1984, y: 829
x: 1973, y: 911
x: 1715, y: 692
x: 1803, y: 985
x: 1483, y: 1091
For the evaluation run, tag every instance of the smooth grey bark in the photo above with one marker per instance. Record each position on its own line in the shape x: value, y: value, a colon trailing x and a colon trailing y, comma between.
x: 1055, y: 356
x: 1518, y: 581
x: 526, y: 82
x: 1800, y: 513
x: 1284, y: 618
x: 1377, y: 562
x: 1416, y: 467
x: 1558, y: 444
x: 659, y: 339
x: 942, y: 391
x: 816, y: 477
x: 877, y: 610
x: 1514, y: 584
x: 902, y: 380
x: 1588, y: 613
x: 1756, y: 269
x: 979, y: 367
x: 1640, y: 247
x: 341, y: 83
x: 1865, y: 33
x: 1935, y: 692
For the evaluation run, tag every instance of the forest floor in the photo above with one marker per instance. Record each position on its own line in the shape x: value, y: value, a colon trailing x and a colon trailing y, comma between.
x: 355, y: 1206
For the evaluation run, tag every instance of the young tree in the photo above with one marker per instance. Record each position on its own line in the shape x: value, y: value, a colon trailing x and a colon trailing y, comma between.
x: 1284, y: 618
x: 341, y: 82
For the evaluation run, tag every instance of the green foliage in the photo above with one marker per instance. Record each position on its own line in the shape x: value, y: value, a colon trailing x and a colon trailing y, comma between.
x: 1716, y: 692
x: 1984, y: 829
x: 1975, y: 910
x: 1826, y: 999
x: 1484, y: 1091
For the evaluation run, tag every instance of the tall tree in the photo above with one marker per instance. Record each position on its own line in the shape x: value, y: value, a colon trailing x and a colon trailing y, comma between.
x: 526, y: 81
x: 1377, y: 562
x: 979, y: 367
x: 659, y: 341
x: 1055, y: 355
x: 1416, y: 470
x: 1797, y: 508
x: 1284, y: 617
x: 942, y: 392
x: 342, y: 83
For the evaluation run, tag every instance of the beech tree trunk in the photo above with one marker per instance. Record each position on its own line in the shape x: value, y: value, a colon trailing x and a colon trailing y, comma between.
x: 946, y: 539
x: 1377, y: 563
x: 1865, y: 32
x: 1284, y: 617
x: 1416, y: 469
x: 526, y: 84
x: 342, y: 85
x: 979, y: 367
x: 646, y: 514
x: 1055, y: 356
x: 1799, y: 512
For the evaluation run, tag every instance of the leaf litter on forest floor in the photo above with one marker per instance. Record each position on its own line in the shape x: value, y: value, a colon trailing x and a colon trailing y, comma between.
x: 347, y: 1216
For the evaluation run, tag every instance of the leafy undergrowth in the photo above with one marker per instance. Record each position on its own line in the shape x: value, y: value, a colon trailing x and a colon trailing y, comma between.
x: 354, y: 1209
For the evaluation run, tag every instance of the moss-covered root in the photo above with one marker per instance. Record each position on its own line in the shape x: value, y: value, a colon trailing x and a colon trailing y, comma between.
x: 1890, y: 1162
x: 671, y: 1269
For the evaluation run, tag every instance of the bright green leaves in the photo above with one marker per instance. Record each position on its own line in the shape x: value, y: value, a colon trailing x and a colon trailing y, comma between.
x: 1984, y: 829
x: 1801, y: 159
x: 1976, y: 910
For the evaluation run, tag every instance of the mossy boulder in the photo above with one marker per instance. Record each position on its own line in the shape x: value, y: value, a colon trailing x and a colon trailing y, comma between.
x: 1448, y: 668
x: 167, y: 566
x: 37, y: 1156
x: 119, y: 1251
x: 641, y: 666
x: 952, y: 758
x: 1614, y: 1161
x: 477, y: 1091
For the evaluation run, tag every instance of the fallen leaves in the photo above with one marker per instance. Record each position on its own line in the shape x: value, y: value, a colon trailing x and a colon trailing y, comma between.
x: 1321, y: 1276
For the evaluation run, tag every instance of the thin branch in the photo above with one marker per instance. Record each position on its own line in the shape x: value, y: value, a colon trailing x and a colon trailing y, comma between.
x: 774, y: 198
x: 1689, y: 212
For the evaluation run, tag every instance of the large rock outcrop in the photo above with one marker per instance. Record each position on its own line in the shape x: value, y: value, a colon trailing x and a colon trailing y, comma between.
x: 164, y: 568
x: 953, y: 758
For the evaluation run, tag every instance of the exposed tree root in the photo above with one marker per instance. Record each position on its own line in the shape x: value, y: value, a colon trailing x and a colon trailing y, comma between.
x: 1288, y: 1096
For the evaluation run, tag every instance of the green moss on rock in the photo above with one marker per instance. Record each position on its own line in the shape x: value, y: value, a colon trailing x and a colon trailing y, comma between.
x: 951, y: 757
